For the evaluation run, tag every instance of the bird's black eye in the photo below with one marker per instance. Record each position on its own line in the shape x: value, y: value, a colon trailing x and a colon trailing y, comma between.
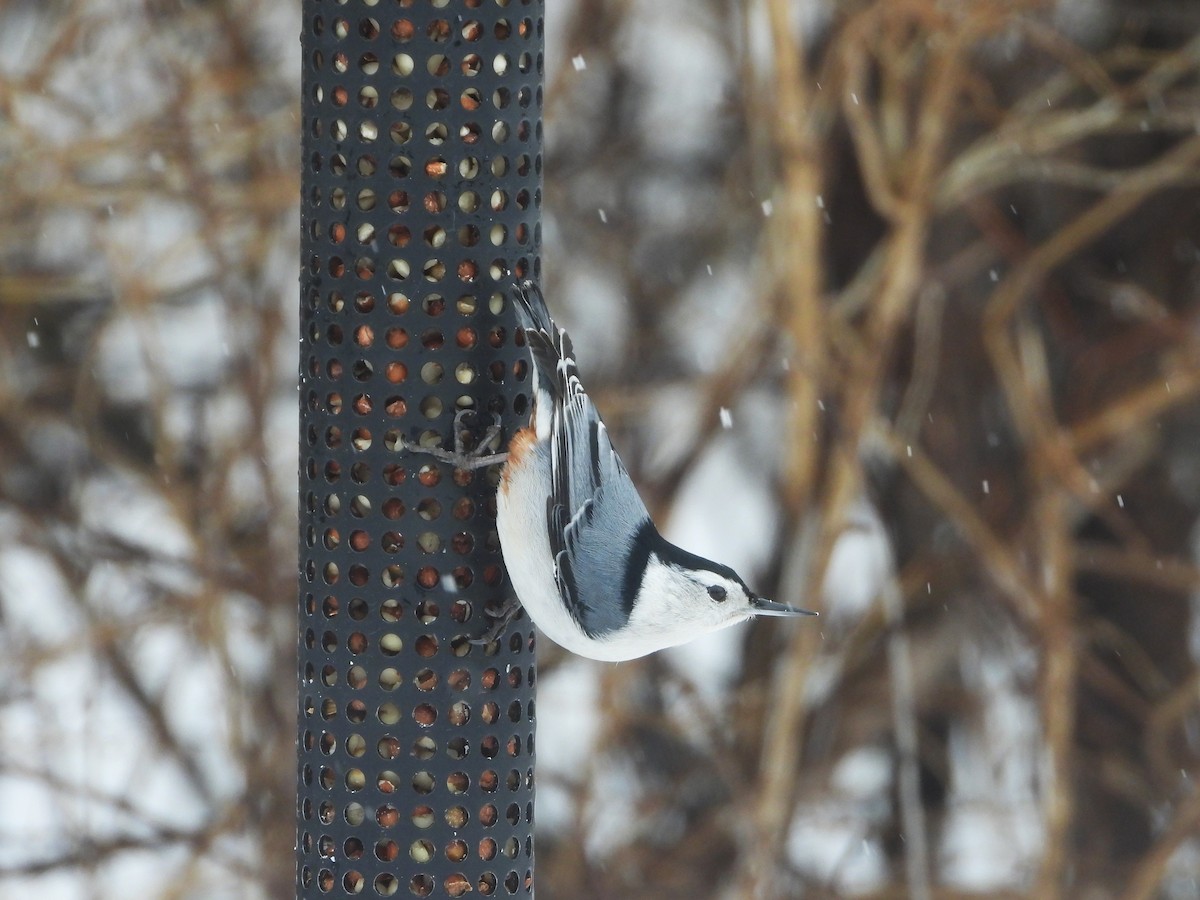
x: 717, y: 593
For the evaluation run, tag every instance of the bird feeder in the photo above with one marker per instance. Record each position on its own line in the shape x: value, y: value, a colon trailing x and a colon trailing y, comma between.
x: 421, y: 198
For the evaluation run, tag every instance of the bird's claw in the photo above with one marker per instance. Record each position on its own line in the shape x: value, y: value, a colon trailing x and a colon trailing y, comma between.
x: 460, y: 457
x: 501, y: 619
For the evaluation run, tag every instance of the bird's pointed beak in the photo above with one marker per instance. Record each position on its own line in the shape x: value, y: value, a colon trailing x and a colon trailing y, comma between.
x: 768, y: 608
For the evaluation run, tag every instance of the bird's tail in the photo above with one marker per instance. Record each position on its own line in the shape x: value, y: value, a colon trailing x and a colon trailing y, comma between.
x: 553, y: 355
x: 532, y: 312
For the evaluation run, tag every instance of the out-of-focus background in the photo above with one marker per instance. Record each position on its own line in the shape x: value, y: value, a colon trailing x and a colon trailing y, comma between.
x: 892, y: 305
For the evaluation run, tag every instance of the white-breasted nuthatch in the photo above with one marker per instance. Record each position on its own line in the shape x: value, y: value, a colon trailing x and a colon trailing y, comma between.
x: 586, y: 561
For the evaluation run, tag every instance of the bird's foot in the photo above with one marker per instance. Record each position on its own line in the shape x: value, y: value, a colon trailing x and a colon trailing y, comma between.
x: 461, y: 458
x: 501, y: 619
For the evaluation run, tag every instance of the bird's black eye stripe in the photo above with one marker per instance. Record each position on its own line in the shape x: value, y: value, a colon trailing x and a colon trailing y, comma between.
x: 717, y: 593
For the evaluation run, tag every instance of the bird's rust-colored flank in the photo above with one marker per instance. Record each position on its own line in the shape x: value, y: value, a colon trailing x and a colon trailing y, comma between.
x: 519, y: 445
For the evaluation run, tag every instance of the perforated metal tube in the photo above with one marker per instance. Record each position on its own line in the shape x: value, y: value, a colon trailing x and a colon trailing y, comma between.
x: 421, y: 191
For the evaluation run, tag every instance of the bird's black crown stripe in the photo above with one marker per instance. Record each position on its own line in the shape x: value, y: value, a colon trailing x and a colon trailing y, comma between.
x: 682, y: 559
x: 645, y: 540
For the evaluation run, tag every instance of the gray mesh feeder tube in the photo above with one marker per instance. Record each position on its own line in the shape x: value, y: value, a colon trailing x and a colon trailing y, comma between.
x: 421, y: 193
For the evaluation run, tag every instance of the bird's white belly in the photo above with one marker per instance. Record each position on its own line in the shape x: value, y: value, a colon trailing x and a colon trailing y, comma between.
x: 521, y: 524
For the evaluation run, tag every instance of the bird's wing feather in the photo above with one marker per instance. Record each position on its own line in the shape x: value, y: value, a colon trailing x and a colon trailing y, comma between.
x: 593, y: 513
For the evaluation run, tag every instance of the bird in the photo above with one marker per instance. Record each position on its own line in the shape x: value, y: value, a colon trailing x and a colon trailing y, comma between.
x: 583, y: 556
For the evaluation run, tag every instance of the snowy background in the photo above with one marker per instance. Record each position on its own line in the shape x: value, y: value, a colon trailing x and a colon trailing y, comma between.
x: 892, y: 306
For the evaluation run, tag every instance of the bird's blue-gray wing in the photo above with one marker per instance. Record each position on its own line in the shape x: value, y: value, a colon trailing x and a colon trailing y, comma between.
x: 594, y: 514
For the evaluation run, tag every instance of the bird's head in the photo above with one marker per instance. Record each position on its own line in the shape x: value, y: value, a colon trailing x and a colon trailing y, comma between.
x: 683, y: 595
